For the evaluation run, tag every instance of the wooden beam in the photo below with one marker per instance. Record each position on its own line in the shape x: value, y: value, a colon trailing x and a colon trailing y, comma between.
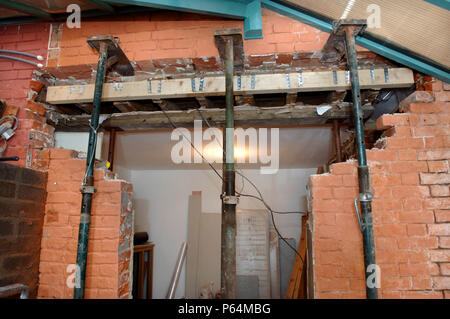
x: 297, y: 284
x: 165, y: 105
x: 294, y: 115
x: 215, y: 85
x: 204, y: 102
x: 291, y: 98
x: 85, y: 107
x: 336, y: 97
x: 126, y: 106
x: 244, y: 99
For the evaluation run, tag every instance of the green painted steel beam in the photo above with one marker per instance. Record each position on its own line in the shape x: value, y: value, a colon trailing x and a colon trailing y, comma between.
x: 440, y: 3
x: 253, y: 21
x: 227, y: 8
x: 102, y: 5
x: 25, y: 8
x: 406, y: 58
x: 249, y: 11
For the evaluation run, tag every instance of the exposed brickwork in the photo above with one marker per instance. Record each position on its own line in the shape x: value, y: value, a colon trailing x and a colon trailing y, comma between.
x: 169, y: 34
x: 15, y: 76
x: 410, y: 179
x: 167, y: 43
x: 110, y: 238
x: 22, y: 196
x: 18, y: 88
x: 33, y: 135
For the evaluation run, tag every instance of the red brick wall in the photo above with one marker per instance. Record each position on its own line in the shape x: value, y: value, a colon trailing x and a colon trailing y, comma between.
x: 110, y: 237
x: 162, y: 35
x: 15, y: 76
x: 411, y: 208
x: 31, y: 121
x: 18, y: 89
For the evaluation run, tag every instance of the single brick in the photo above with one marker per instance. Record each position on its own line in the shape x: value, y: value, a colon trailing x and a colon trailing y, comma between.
x: 442, y: 96
x: 439, y: 229
x: 439, y: 154
x: 7, y: 189
x: 442, y: 216
x: 444, y: 242
x: 438, y: 166
x: 422, y: 108
x: 407, y: 155
x: 7, y: 227
x: 416, y: 229
x: 61, y: 153
x: 445, y: 269
x: 440, y: 190
x: 434, y: 85
x: 441, y: 283
x: 8, y: 172
x: 36, y: 108
x: 415, y: 97
x: 430, y: 178
x: 345, y: 168
x: 389, y: 120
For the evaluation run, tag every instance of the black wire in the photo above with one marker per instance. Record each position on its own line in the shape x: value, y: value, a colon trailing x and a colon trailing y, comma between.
x: 244, y: 177
x: 174, y: 126
x: 263, y: 201
x: 271, y: 213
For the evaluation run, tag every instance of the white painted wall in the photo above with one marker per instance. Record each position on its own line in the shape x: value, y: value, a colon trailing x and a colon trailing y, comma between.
x: 78, y: 141
x: 161, y: 207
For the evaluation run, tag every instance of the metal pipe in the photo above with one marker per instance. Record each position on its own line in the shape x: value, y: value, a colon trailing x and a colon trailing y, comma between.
x: 337, y: 140
x: 37, y: 57
x: 39, y: 65
x: 365, y: 195
x: 111, y: 148
x: 228, y: 255
x: 9, y: 159
x: 87, y: 189
x: 176, y: 274
x: 15, y: 289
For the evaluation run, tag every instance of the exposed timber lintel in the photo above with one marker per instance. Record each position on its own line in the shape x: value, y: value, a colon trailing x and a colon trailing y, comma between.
x: 294, y: 115
x: 244, y: 85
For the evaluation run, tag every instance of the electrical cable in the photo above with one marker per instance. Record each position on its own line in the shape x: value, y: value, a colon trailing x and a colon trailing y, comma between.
x: 207, y: 123
x: 11, y: 117
x: 39, y: 65
x: 92, y: 155
x: 246, y: 178
x: 37, y: 57
x: 271, y: 214
x: 260, y: 198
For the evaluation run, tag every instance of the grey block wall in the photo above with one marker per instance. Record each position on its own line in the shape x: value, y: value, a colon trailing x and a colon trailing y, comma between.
x: 22, y: 203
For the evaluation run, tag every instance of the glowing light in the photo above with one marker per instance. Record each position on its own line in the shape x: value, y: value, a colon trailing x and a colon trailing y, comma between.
x: 216, y: 154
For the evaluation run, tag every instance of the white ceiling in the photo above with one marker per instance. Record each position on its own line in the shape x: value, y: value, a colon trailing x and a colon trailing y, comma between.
x: 306, y: 147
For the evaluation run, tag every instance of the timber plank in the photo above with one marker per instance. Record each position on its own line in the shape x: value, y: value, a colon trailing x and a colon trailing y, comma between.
x: 244, y: 116
x: 243, y: 85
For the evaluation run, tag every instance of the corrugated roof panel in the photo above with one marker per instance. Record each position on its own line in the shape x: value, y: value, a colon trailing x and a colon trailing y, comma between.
x: 415, y: 25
